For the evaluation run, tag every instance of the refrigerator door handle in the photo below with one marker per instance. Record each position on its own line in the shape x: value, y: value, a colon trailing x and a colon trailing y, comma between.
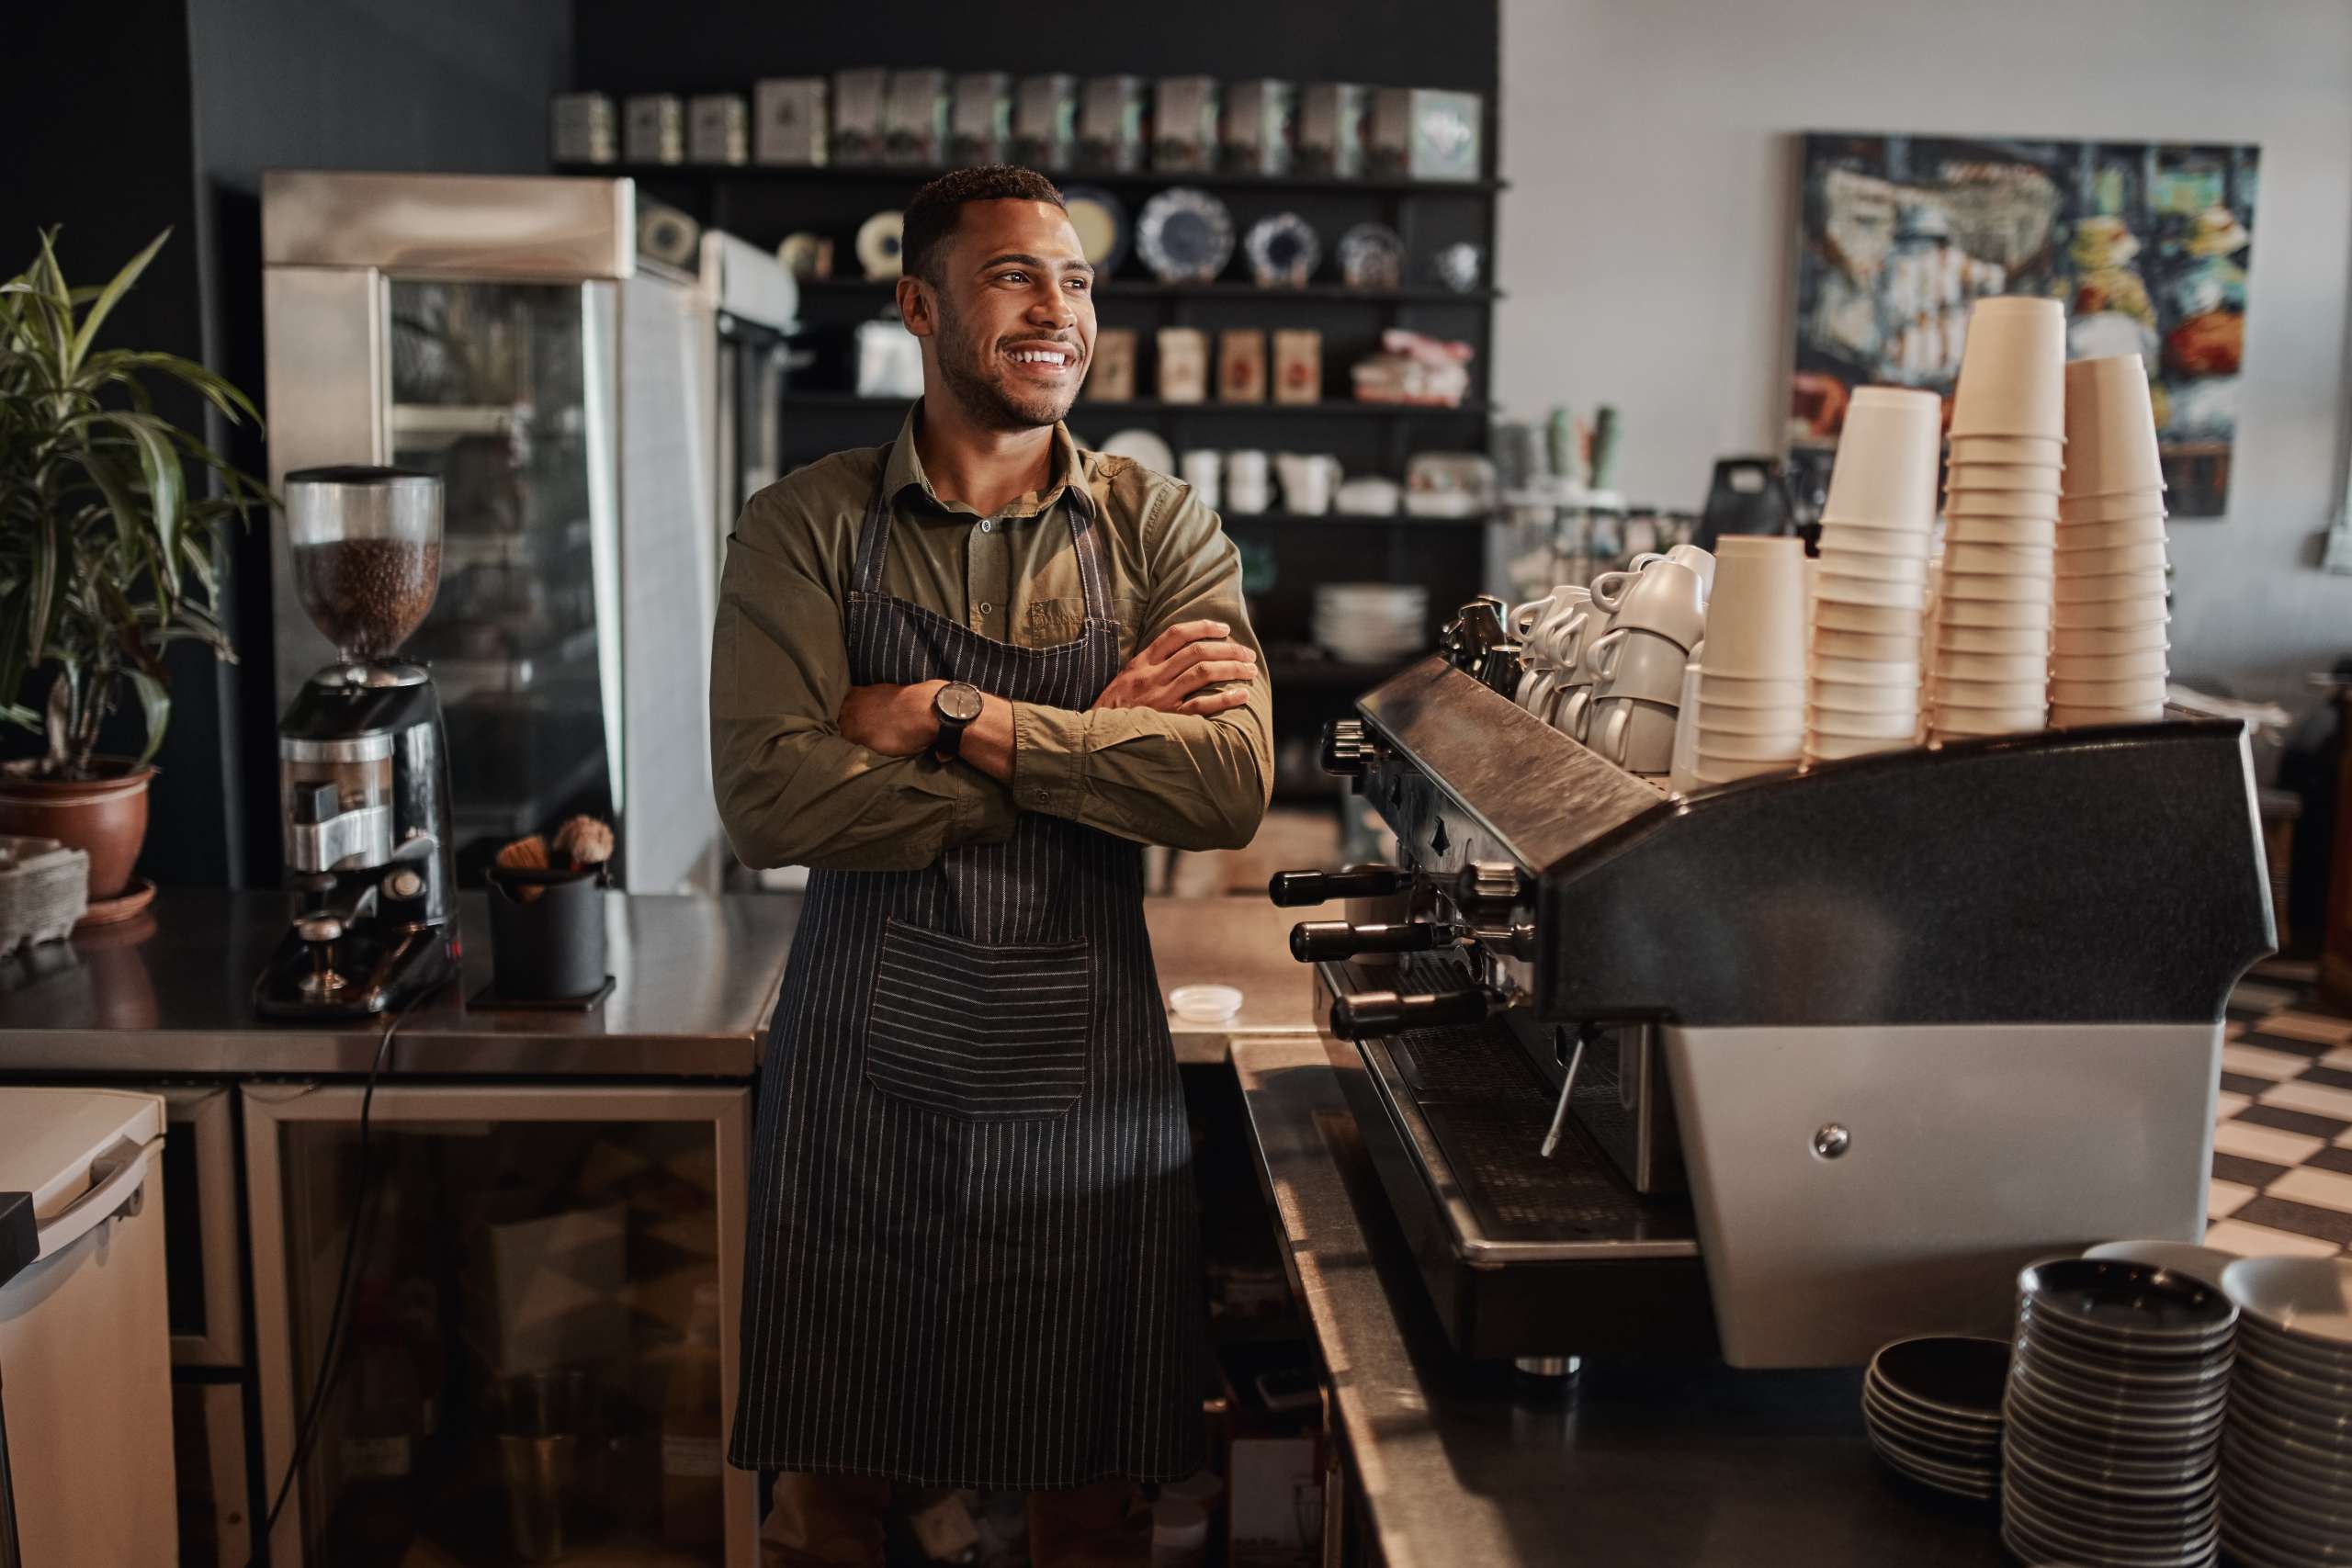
x: 116, y: 1188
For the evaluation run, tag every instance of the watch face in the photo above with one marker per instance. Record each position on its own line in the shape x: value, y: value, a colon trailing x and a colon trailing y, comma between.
x: 959, y: 702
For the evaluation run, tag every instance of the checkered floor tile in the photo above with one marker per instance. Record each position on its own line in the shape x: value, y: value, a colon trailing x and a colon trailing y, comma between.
x: 2282, y: 1149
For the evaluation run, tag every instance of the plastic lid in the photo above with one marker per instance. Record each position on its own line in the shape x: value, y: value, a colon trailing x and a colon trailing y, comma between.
x: 1177, y: 1523
x: 1205, y: 1004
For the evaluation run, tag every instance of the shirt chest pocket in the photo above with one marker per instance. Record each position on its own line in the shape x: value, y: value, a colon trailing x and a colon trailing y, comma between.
x: 979, y: 1032
x: 1052, y: 622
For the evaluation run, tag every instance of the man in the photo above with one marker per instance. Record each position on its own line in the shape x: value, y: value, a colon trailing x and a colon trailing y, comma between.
x: 965, y: 677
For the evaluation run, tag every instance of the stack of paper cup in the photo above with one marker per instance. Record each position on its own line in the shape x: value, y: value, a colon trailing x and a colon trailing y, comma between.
x: 1997, y: 584
x: 1869, y: 592
x: 1751, y: 686
x: 2106, y: 662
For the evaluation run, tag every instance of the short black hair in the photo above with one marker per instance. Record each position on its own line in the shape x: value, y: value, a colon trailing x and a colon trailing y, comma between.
x: 931, y: 217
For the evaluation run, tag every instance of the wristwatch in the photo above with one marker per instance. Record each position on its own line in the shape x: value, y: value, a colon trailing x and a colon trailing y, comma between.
x: 957, y: 704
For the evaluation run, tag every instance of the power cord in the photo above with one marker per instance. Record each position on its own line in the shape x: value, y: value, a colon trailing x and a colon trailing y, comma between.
x: 330, y: 1372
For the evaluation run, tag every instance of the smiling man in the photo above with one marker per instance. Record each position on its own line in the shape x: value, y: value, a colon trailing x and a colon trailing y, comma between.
x: 965, y: 677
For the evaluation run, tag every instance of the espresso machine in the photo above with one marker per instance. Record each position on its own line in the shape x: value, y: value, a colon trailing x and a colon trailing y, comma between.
x: 363, y: 760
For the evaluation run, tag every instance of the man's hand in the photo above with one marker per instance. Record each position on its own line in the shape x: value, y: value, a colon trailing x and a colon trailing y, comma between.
x: 1171, y: 675
x: 897, y: 721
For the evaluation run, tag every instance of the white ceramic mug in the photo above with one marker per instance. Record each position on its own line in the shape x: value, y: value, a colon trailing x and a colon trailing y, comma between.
x: 1203, y: 469
x: 1249, y: 486
x: 1664, y: 596
x: 1308, y: 478
x: 1635, y: 734
x: 1631, y: 662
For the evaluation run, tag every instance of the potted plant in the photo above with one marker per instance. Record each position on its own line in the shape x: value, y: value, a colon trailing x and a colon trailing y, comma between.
x: 107, y: 554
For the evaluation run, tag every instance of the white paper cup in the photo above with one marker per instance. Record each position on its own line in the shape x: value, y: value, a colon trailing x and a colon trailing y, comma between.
x: 1718, y: 746
x: 1724, y: 770
x: 1718, y: 689
x: 1839, y: 562
x: 1682, y: 769
x: 2115, y: 561
x: 2147, y: 583
x: 1978, y: 587
x: 1999, y: 560
x: 2009, y: 478
x: 1972, y: 724
x: 1955, y: 612
x: 1956, y: 694
x: 1869, y: 671
x: 1830, y: 642
x: 2035, y: 532
x: 1844, y: 748
x: 1895, y: 723
x: 1852, y: 538
x: 2131, y: 691
x: 1879, y: 620
x: 2114, y: 508
x: 2110, y: 428
x: 1781, y: 721
x: 1837, y: 587
x: 2088, y: 718
x: 2012, y: 370
x: 2118, y: 535
x: 1857, y: 696
x: 2137, y: 611
x: 2129, y: 666
x: 1756, y: 619
x: 2077, y: 642
x: 1884, y: 475
x: 2021, y: 450
x: 1953, y: 639
x: 2006, y: 667
x: 1960, y: 502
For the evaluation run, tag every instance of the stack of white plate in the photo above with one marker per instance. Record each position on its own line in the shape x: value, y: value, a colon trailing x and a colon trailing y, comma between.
x: 1371, y: 623
x: 1933, y: 1410
x: 2114, y: 1415
x: 2287, y: 1455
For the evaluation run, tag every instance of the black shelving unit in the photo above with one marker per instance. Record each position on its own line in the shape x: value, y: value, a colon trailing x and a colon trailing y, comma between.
x: 764, y: 203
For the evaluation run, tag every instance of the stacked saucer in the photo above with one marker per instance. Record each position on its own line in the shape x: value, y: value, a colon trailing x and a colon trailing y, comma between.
x: 1932, y: 1407
x: 2114, y: 1412
x: 1994, y: 592
x: 1862, y: 692
x: 1370, y: 623
x: 2287, y: 1455
x: 2108, y: 665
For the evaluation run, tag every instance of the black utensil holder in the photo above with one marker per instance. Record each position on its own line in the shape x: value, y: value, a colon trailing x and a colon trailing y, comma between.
x: 551, y: 947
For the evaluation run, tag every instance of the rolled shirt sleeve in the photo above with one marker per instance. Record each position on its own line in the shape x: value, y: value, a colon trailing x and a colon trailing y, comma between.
x: 1182, y: 780
x: 791, y: 790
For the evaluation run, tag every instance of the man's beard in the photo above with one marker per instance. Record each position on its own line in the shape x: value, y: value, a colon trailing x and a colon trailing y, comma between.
x: 963, y: 364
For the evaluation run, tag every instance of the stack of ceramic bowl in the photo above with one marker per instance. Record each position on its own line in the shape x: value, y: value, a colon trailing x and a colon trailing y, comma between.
x: 1371, y: 623
x: 1994, y: 592
x: 1870, y: 591
x: 1751, y: 687
x: 2114, y: 1415
x: 1933, y: 1411
x: 2287, y: 1455
x: 2106, y: 665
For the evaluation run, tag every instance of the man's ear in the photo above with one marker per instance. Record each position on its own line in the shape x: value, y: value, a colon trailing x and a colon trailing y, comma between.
x: 916, y: 307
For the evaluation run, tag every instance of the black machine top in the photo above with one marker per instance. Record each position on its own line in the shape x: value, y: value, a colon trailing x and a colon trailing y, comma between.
x: 2105, y: 875
x: 19, y: 1235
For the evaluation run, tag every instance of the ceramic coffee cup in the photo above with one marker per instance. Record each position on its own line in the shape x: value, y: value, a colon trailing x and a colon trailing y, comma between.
x: 1308, y: 480
x: 1631, y: 662
x: 1635, y: 734
x: 1665, y: 597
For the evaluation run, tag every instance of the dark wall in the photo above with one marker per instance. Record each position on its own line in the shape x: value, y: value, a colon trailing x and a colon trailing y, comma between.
x: 624, y: 46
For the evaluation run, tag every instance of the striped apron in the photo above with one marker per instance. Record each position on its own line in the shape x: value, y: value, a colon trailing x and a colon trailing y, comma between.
x: 973, y: 1258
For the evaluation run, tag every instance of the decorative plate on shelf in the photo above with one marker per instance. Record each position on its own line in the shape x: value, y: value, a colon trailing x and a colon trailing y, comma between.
x: 1142, y: 446
x: 1185, y: 235
x: 879, y: 238
x: 1372, y: 256
x: 1100, y: 219
x: 1282, y: 251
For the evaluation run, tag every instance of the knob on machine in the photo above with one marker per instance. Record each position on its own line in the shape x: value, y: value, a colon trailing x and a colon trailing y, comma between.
x: 1346, y: 750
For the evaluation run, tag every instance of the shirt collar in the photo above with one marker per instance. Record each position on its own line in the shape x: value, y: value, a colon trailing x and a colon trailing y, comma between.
x: 905, y: 470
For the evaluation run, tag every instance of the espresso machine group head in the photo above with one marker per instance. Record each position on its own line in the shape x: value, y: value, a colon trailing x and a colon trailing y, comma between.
x: 362, y: 759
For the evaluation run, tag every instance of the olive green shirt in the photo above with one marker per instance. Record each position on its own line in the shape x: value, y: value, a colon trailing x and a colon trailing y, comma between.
x: 793, y: 792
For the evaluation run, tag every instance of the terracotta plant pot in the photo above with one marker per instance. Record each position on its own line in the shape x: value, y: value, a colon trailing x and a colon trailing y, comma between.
x: 106, y: 817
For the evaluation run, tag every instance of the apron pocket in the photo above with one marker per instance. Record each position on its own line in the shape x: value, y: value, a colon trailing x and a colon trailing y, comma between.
x: 982, y: 1032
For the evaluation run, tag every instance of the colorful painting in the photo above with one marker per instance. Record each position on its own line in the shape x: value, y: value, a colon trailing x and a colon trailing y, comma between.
x: 2147, y: 243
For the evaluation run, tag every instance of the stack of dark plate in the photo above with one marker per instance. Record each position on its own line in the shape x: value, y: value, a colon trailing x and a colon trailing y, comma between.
x: 2287, y: 1456
x: 1933, y: 1410
x: 2114, y: 1415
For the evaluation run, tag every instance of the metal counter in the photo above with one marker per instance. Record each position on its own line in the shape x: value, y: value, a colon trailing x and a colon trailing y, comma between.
x: 1666, y: 1465
x: 169, y: 993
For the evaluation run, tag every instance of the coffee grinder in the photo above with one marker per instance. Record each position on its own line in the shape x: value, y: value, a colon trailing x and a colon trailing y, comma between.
x: 363, y: 761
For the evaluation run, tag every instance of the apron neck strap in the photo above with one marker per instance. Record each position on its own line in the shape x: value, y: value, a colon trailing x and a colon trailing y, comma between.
x: 874, y: 544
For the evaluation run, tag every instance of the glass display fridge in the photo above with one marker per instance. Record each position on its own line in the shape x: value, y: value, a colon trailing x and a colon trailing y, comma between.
x: 537, y: 1351
x: 510, y: 336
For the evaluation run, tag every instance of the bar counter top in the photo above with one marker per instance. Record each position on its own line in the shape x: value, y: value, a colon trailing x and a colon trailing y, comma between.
x: 1664, y: 1465
x: 694, y: 980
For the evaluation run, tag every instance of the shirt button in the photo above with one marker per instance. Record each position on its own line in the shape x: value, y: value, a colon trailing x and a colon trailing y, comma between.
x: 987, y: 526
x: 986, y: 607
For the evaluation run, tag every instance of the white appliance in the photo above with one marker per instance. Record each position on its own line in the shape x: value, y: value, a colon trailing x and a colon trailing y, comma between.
x: 85, y: 1350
